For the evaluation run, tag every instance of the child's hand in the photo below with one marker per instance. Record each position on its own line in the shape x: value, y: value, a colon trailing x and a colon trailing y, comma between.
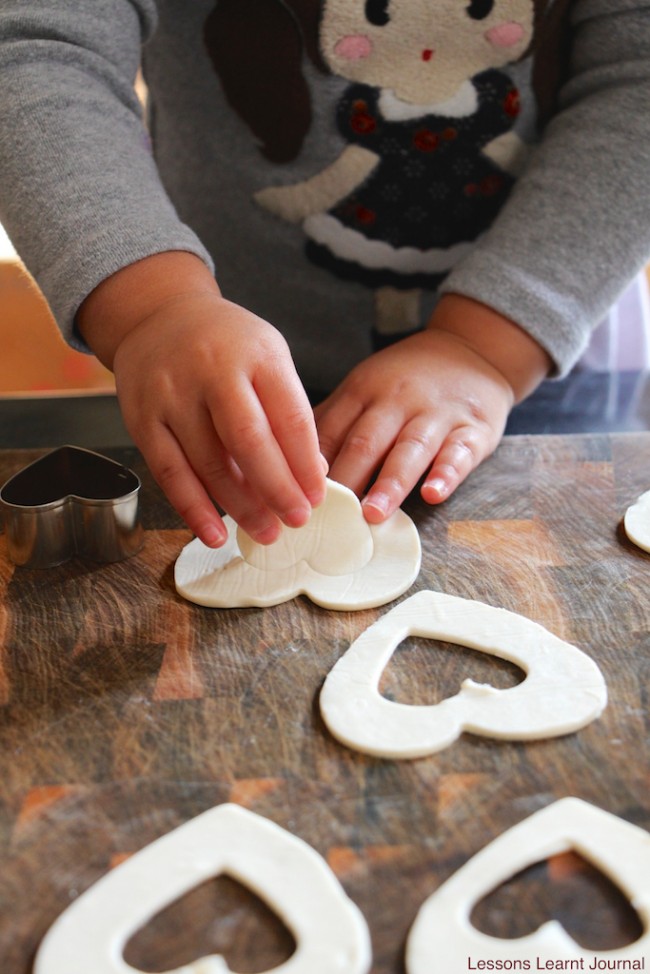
x: 432, y: 404
x: 211, y: 398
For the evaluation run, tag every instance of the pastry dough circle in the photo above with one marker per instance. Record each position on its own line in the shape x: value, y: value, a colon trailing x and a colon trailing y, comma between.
x: 330, y: 932
x: 637, y: 522
x: 382, y: 569
x: 563, y: 689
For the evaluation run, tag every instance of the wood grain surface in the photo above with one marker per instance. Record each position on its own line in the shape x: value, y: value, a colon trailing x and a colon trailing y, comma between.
x: 125, y: 711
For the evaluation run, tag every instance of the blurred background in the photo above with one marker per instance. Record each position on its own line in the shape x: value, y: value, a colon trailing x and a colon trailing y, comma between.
x: 36, y: 367
x: 35, y: 360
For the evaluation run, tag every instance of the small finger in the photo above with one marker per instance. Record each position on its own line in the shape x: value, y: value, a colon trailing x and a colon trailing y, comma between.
x: 226, y: 484
x: 366, y: 445
x: 404, y: 465
x: 461, y: 453
x: 292, y: 423
x: 183, y: 488
x: 201, y: 469
x: 334, y: 418
x: 250, y: 441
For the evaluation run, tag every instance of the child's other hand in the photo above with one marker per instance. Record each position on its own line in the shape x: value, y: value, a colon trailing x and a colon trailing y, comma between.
x: 211, y: 398
x: 433, y: 404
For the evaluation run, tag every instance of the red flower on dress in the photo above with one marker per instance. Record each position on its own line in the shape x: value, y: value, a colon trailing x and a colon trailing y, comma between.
x: 361, y: 121
x: 364, y: 215
x: 491, y: 185
x: 512, y: 103
x: 425, y: 140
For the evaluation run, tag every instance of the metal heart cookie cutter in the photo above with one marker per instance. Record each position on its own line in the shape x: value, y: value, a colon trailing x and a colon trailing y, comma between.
x: 71, y: 502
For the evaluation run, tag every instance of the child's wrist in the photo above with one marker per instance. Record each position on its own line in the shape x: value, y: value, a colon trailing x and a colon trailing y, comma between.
x: 130, y: 297
x: 502, y: 343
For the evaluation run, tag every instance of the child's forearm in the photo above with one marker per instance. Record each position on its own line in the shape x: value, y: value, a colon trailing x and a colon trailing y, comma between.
x: 498, y: 340
x: 127, y: 298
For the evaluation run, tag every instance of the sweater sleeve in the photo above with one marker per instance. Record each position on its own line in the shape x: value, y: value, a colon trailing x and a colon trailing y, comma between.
x: 80, y: 194
x: 576, y: 228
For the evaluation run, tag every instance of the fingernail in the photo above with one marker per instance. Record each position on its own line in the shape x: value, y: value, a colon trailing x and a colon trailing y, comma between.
x: 378, y: 501
x: 437, y: 486
x: 326, y: 466
x: 213, y: 536
x: 297, y: 517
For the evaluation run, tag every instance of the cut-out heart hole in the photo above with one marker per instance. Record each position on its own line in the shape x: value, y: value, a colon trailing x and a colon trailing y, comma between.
x: 425, y: 671
x: 567, y: 888
x: 69, y: 472
x: 222, y: 917
x: 71, y: 501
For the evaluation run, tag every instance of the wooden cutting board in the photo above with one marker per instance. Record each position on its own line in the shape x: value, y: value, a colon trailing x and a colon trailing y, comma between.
x: 125, y: 711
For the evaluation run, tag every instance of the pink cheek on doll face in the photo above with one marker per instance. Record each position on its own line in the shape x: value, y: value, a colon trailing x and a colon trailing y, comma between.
x: 505, y: 35
x: 354, y: 47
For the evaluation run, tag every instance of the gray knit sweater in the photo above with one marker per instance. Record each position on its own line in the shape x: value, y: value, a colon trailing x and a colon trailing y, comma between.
x: 406, y: 137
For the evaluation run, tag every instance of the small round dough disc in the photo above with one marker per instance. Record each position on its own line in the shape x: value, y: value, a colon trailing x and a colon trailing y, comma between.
x: 637, y: 522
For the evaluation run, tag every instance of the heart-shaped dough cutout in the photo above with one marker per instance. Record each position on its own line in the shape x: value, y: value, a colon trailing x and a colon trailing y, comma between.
x: 442, y: 937
x: 637, y: 522
x: 71, y: 502
x: 339, y: 562
x: 563, y: 689
x: 288, y: 874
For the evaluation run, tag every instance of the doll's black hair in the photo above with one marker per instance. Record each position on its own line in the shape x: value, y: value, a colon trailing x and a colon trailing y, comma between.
x: 257, y: 49
x: 551, y: 47
x: 265, y: 82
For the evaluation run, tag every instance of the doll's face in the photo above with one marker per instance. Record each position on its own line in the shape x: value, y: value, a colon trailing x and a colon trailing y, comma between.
x: 423, y: 50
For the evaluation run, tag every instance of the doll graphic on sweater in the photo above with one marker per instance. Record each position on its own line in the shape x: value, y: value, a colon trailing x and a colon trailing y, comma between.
x: 430, y: 153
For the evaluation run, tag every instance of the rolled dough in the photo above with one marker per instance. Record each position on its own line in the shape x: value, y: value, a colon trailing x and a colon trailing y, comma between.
x: 563, y: 689
x: 442, y: 937
x: 291, y: 877
x: 637, y: 522
x: 337, y: 559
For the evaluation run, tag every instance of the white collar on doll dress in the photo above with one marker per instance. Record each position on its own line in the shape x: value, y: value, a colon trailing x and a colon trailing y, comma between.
x: 462, y: 104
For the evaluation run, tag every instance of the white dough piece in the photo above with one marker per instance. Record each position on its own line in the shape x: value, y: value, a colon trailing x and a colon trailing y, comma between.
x: 442, y: 937
x: 337, y: 559
x: 637, y: 522
x: 289, y: 875
x: 563, y: 689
